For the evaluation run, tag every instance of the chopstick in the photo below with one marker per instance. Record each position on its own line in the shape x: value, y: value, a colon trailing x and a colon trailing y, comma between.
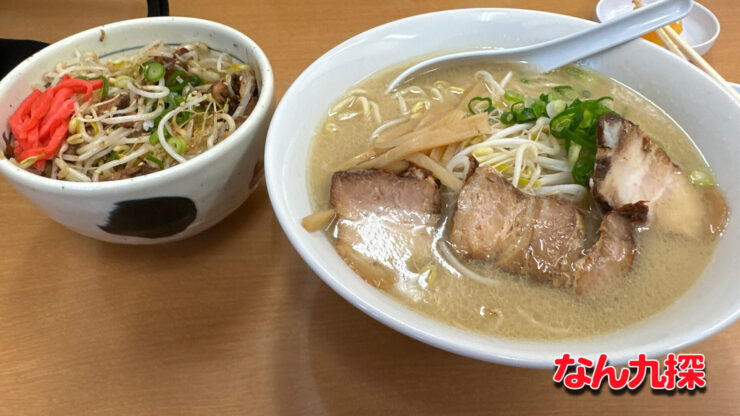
x: 669, y: 43
x: 683, y: 46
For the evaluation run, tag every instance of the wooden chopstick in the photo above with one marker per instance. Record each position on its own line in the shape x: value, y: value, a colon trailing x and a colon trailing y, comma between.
x: 669, y: 43
x: 693, y: 55
x: 700, y: 62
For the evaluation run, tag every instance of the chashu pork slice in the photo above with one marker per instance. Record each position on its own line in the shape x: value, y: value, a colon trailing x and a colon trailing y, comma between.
x: 538, y: 236
x: 637, y: 178
x: 386, y: 221
x: 609, y: 258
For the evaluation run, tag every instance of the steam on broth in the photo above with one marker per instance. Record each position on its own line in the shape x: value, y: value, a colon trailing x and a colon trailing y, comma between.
x: 446, y: 282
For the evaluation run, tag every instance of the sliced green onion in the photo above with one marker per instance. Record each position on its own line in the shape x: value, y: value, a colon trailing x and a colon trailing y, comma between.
x: 474, y: 100
x: 583, y: 170
x: 513, y: 96
x: 196, y: 80
x: 182, y: 117
x: 701, y: 178
x: 154, y: 160
x: 561, y: 123
x: 113, y: 156
x: 524, y: 115
x: 154, y: 71
x: 555, y: 107
x: 576, y: 124
x: 177, y: 81
x: 517, y: 109
x: 586, y: 94
x: 104, y: 92
x: 566, y: 91
x: 539, y: 108
x: 154, y: 138
x: 508, y: 118
x: 177, y: 143
x: 122, y: 81
x: 573, y: 152
x: 524, y: 81
x: 169, y: 105
x: 547, y: 98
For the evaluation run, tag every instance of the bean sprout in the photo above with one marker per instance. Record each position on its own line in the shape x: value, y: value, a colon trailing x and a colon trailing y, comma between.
x: 128, y: 126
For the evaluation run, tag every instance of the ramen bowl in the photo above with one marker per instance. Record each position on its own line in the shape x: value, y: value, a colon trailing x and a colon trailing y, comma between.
x: 167, y: 205
x: 706, y: 112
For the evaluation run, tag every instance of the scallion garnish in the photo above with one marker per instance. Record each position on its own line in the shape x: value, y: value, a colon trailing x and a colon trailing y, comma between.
x: 177, y: 143
x: 154, y: 160
x: 182, y: 117
x: 104, y: 91
x: 153, y: 71
x: 566, y: 91
x: 177, y: 81
x: 576, y: 125
x: 113, y: 156
x: 513, y: 96
x: 475, y: 100
x: 196, y: 80
x: 154, y: 138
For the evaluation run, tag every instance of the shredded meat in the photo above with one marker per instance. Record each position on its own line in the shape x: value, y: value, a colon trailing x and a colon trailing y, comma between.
x: 220, y: 92
x: 167, y: 61
x: 170, y: 64
x: 384, y: 221
x: 8, y: 145
x: 121, y: 101
x: 237, y: 84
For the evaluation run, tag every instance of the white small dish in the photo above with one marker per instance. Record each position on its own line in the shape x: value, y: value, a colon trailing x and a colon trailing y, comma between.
x: 168, y: 205
x: 700, y: 27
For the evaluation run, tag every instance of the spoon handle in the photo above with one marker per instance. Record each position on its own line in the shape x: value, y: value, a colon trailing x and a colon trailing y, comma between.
x: 558, y: 52
x: 555, y: 53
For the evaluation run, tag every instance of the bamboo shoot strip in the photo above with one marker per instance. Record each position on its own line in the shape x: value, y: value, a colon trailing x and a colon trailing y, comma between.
x: 452, y: 133
x: 447, y: 119
x: 355, y: 160
x: 318, y: 220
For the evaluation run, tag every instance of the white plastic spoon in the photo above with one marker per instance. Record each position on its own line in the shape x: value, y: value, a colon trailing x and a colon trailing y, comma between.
x: 555, y: 53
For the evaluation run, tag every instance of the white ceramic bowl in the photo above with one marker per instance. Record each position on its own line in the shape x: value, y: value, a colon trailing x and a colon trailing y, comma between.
x: 706, y: 112
x: 701, y: 27
x: 163, y: 206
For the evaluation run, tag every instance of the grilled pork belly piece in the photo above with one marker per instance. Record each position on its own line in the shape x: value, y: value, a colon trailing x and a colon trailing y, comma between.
x: 542, y: 237
x: 609, y: 258
x: 385, y: 221
x: 637, y: 178
x: 539, y: 236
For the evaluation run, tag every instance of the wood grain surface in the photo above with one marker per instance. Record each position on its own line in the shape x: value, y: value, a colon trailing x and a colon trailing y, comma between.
x: 232, y: 321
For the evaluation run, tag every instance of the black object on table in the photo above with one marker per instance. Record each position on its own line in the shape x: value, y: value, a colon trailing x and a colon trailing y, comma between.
x: 14, y: 51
